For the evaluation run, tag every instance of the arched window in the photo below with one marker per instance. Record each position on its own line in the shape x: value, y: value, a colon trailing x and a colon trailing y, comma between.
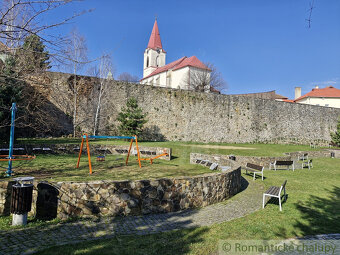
x: 147, y: 62
x: 157, y: 60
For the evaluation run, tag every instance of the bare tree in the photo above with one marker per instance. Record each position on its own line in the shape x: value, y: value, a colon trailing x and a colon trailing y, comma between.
x: 205, y: 79
x: 21, y: 18
x: 75, y: 58
x: 127, y: 77
x: 104, y: 71
x: 310, y: 10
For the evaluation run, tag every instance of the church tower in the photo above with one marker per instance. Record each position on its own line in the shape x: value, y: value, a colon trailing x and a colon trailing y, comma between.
x: 154, y: 55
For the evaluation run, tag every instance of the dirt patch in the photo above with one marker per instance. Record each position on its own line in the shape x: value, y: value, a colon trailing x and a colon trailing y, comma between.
x: 219, y: 147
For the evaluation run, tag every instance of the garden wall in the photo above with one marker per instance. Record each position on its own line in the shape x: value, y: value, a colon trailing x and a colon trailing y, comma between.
x: 112, y: 198
x: 242, y: 160
x: 95, y: 149
x: 179, y: 115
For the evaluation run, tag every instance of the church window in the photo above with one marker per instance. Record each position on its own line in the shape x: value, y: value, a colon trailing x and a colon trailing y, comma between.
x: 147, y: 62
x: 168, y: 79
x: 157, y: 61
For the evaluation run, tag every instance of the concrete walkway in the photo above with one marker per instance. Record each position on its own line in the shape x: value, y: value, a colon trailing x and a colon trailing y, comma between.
x: 29, y: 240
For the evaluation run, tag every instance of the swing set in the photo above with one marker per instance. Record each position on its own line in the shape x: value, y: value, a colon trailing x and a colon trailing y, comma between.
x: 10, y: 157
x: 85, y: 139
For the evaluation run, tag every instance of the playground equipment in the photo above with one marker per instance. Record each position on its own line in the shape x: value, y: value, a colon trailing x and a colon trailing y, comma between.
x: 158, y: 156
x: 85, y: 138
x: 10, y: 157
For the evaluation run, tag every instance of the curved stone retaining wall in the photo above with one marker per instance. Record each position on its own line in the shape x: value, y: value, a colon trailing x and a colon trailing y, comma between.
x: 241, y: 160
x: 111, y: 198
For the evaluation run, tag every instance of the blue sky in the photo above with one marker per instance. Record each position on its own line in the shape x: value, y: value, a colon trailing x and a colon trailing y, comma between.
x: 257, y: 45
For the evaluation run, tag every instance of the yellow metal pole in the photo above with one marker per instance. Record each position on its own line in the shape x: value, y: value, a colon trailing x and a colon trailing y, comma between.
x: 81, y: 149
x: 127, y: 158
x: 138, y: 155
x: 88, y: 153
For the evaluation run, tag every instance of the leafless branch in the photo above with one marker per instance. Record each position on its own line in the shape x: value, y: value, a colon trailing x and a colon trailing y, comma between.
x: 310, y: 10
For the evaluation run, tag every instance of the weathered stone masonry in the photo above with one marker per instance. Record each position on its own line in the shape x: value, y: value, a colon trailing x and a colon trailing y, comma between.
x: 193, y: 116
x: 112, y: 198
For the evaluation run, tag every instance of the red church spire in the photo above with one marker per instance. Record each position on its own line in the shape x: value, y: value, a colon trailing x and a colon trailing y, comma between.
x: 155, y: 38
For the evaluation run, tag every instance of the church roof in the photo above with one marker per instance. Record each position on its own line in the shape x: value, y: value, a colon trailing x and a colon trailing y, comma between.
x: 155, y: 38
x: 178, y: 64
x: 329, y: 91
x: 192, y: 61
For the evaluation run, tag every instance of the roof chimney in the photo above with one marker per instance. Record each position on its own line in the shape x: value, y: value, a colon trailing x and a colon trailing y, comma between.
x: 297, y: 92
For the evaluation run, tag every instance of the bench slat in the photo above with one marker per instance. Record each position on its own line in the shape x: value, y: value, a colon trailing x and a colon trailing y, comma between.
x: 284, y: 163
x: 273, y: 190
x: 253, y: 166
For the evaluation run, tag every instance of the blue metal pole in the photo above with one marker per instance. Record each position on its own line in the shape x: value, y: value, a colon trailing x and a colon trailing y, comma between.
x: 109, y: 137
x: 11, y: 141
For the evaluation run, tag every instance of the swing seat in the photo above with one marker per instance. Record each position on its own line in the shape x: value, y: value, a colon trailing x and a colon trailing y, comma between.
x: 100, y: 158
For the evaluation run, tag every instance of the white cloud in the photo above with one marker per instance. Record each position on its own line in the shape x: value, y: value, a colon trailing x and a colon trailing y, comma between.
x: 330, y: 82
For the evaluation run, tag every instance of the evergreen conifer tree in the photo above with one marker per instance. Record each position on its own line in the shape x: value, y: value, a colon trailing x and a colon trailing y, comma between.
x: 336, y: 136
x: 32, y: 56
x: 10, y: 92
x: 131, y: 118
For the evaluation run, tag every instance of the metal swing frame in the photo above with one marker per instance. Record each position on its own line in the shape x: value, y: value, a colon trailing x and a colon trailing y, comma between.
x: 85, y: 139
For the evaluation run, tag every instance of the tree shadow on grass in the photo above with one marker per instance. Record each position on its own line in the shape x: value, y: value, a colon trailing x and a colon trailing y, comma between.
x: 319, y: 215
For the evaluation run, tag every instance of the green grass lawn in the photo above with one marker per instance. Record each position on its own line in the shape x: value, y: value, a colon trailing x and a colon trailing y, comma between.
x: 62, y: 167
x: 312, y: 207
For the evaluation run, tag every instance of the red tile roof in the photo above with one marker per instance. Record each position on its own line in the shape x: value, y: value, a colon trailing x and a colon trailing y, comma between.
x: 192, y: 61
x: 277, y: 96
x: 288, y: 100
x: 155, y: 38
x: 329, y: 91
x: 212, y: 89
x: 180, y: 63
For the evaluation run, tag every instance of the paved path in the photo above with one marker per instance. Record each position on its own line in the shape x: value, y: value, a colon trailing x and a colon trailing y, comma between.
x: 28, y: 240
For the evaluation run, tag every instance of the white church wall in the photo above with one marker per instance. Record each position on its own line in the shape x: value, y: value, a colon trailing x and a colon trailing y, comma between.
x: 179, y: 77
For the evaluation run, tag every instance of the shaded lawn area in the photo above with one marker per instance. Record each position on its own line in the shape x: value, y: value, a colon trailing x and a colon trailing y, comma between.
x: 312, y: 207
x: 62, y: 167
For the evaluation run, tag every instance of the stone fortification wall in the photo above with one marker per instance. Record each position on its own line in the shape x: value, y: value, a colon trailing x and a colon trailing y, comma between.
x: 112, y: 198
x: 193, y: 116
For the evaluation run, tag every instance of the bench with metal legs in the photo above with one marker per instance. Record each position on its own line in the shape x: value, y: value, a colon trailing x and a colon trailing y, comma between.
x: 308, y: 163
x: 275, y: 191
x: 286, y: 163
x: 256, y: 169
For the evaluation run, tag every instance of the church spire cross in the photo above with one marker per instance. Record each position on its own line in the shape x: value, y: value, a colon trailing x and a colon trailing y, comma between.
x: 155, y: 38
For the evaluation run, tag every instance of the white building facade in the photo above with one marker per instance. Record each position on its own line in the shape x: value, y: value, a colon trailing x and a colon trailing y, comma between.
x: 329, y: 97
x: 180, y: 74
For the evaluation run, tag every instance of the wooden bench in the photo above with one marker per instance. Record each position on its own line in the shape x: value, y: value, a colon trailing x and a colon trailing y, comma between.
x: 275, y: 191
x: 286, y: 163
x: 303, y: 156
x: 256, y: 169
x: 308, y: 163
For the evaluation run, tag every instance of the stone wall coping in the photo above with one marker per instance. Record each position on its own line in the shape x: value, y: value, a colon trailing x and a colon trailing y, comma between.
x: 179, y: 178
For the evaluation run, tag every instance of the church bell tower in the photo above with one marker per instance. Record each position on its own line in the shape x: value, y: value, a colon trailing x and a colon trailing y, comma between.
x: 154, y: 55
